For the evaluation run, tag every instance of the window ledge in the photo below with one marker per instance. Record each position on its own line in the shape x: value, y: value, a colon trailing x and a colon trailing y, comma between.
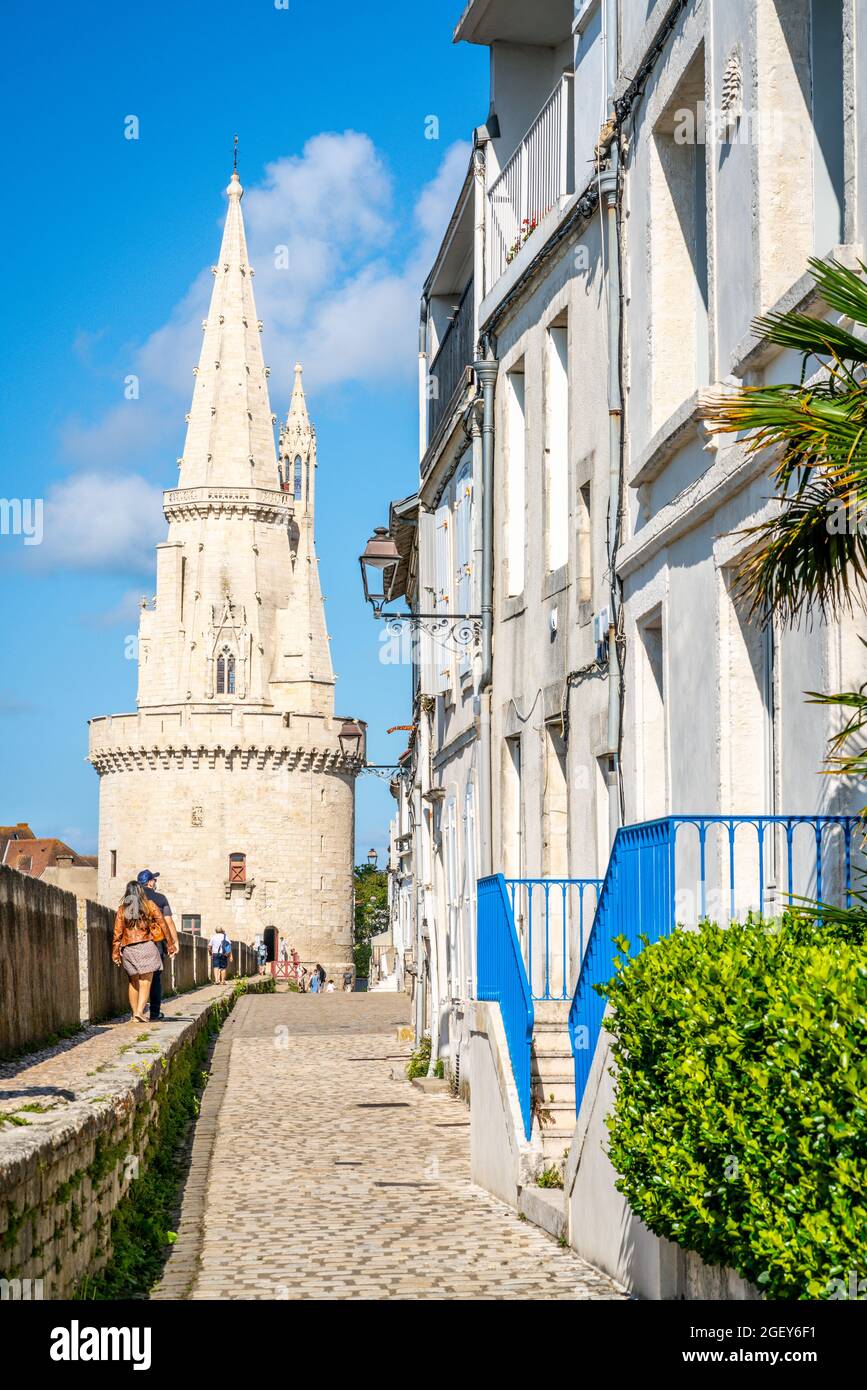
x: 668, y: 439
x: 512, y: 607
x: 753, y: 353
x: 555, y: 581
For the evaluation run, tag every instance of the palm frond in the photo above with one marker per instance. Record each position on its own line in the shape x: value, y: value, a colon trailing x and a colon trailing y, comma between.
x: 842, y: 289
x: 799, y: 561
x: 812, y: 337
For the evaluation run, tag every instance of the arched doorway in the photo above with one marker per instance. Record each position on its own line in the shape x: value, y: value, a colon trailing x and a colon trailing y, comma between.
x: 271, y: 943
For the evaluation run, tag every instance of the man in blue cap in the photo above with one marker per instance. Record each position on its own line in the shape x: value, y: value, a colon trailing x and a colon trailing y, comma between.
x: 148, y: 880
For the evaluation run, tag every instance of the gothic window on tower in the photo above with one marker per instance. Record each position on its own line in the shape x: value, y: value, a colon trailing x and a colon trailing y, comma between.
x: 297, y: 489
x: 225, y: 673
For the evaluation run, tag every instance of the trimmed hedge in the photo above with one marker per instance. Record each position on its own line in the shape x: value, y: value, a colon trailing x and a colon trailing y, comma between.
x: 738, y: 1129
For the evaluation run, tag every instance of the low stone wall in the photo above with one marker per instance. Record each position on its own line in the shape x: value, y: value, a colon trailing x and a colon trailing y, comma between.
x: 181, y: 974
x: 107, y: 991
x: 201, y: 961
x: 65, y: 1170
x: 56, y: 969
x: 39, y: 979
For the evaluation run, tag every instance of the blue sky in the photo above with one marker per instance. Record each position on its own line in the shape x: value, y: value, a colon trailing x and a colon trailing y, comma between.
x: 107, y: 244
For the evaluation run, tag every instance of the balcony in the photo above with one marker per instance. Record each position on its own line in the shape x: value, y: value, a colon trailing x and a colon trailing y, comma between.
x: 454, y: 355
x: 535, y: 180
x: 545, y: 22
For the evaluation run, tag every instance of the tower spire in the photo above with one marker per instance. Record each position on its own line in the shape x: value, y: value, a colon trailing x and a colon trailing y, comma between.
x: 230, y: 434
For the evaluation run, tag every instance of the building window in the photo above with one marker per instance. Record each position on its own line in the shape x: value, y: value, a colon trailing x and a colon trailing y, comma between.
x: 225, y: 673
x: 680, y: 346
x: 192, y: 922
x: 512, y: 803
x: 516, y: 466
x: 654, y: 739
x: 114, y: 863
x: 237, y: 868
x: 443, y: 582
x: 585, y: 546
x: 826, y: 63
x: 557, y: 448
x: 463, y: 558
x: 555, y: 806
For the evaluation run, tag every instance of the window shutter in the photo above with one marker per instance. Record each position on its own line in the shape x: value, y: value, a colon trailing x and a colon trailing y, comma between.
x: 444, y: 596
x: 464, y: 554
x: 427, y: 601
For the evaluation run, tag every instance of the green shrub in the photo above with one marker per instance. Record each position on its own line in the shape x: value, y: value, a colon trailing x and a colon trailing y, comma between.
x: 419, y: 1062
x: 361, y: 953
x: 738, y: 1129
x: 551, y: 1176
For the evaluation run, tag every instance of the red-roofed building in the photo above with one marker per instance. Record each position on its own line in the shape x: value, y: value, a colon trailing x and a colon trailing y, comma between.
x: 49, y: 859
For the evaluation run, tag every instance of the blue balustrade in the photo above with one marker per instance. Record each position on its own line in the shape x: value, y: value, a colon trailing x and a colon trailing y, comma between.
x: 683, y: 869
x: 552, y: 917
x: 502, y: 978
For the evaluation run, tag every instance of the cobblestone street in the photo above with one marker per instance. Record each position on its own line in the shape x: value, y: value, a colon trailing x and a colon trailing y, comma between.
x: 315, y: 1174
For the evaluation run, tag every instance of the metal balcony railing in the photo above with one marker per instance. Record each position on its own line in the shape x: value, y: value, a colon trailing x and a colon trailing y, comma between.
x: 454, y: 355
x: 536, y: 177
x: 546, y: 938
x: 681, y: 870
x: 503, y: 979
x: 552, y: 917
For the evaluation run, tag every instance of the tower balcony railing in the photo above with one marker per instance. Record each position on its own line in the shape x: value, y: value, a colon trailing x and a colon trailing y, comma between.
x: 541, y: 937
x: 532, y: 182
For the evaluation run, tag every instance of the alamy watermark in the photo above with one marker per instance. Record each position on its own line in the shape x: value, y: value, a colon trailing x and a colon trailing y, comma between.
x: 22, y: 516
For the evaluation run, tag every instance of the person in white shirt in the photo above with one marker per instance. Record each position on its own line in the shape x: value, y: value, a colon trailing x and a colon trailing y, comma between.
x: 221, y: 953
x: 329, y: 988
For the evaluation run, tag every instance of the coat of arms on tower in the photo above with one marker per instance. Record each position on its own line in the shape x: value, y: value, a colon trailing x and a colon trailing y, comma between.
x: 197, y: 815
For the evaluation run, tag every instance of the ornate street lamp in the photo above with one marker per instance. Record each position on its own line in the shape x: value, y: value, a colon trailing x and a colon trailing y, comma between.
x: 372, y: 857
x: 350, y: 738
x: 379, y: 564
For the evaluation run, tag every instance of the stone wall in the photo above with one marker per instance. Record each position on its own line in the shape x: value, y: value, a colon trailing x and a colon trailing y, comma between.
x: 107, y: 994
x: 56, y: 970
x: 39, y: 983
x: 64, y: 1171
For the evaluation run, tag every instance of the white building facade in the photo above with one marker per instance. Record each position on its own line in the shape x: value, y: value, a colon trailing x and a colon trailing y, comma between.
x: 650, y: 177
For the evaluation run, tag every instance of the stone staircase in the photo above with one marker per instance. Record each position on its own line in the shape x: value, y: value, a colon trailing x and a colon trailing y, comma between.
x: 552, y: 1077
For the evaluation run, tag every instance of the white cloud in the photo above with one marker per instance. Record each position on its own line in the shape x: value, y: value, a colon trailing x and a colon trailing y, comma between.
x: 124, y: 613
x: 96, y: 521
x: 347, y: 307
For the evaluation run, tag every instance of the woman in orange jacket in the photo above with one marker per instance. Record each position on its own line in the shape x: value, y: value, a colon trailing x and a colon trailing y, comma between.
x: 138, y: 926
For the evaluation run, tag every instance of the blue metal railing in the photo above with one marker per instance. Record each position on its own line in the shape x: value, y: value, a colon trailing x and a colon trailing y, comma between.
x: 503, y: 978
x: 728, y: 867
x: 552, y: 917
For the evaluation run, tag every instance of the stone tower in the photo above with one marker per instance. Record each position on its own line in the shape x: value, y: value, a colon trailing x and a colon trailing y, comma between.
x: 234, y: 778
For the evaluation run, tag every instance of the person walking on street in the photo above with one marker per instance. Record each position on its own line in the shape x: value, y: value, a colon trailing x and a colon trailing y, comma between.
x: 320, y: 971
x: 138, y: 927
x: 347, y: 982
x: 262, y: 955
x: 169, y: 946
x: 315, y: 982
x: 221, y: 953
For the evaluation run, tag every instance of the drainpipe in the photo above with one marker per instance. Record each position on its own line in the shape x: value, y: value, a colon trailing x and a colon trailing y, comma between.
x: 486, y: 370
x: 608, y: 186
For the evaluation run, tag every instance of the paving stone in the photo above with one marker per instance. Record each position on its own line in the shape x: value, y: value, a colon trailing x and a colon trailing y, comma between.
x: 282, y: 1217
